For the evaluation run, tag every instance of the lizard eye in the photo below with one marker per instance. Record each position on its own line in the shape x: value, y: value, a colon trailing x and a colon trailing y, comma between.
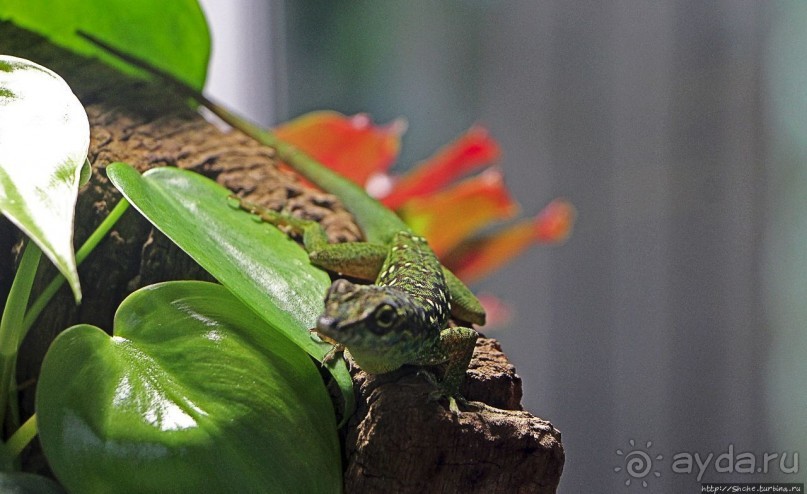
x: 385, y: 316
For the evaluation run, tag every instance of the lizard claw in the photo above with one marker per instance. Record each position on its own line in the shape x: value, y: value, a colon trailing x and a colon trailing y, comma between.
x: 331, y: 354
x: 440, y: 392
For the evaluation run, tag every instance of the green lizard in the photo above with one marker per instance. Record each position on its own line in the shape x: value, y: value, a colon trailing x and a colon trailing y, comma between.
x: 403, y: 317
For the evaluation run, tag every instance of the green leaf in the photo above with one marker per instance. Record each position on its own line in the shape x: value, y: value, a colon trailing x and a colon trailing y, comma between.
x: 44, y: 137
x: 27, y: 483
x: 170, y: 35
x: 192, y: 393
x: 256, y: 261
x: 264, y: 268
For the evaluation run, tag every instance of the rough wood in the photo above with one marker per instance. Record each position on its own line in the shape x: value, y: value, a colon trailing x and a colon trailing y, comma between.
x: 399, y: 441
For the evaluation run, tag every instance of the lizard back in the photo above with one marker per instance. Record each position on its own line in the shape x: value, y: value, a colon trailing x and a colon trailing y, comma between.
x: 412, y: 267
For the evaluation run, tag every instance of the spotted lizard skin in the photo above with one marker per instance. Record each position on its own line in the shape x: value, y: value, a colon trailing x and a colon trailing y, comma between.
x: 398, y: 320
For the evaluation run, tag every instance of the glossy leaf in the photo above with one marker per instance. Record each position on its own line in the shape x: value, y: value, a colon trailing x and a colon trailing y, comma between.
x: 472, y: 150
x: 192, y: 393
x: 44, y: 137
x: 352, y: 146
x: 268, y: 271
x: 256, y: 261
x: 170, y: 35
x: 449, y: 216
x: 479, y: 257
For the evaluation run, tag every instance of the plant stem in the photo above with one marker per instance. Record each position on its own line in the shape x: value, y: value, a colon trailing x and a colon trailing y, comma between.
x: 91, y: 242
x: 16, y: 321
x: 11, y: 324
x: 22, y: 437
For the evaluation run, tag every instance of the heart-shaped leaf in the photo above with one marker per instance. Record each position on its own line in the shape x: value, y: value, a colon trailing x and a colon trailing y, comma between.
x: 192, y: 393
x: 44, y: 137
x: 170, y: 35
x: 264, y: 268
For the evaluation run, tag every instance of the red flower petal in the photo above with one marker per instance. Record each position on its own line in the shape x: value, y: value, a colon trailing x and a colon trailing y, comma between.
x: 473, y: 149
x: 450, y: 216
x: 478, y: 258
x: 554, y: 223
x: 351, y: 146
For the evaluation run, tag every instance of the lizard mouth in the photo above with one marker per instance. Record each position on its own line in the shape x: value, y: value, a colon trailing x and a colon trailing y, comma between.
x: 331, y: 328
x: 328, y: 326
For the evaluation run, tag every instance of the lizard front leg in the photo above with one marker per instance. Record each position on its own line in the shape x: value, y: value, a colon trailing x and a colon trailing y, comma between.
x: 453, y: 351
x: 458, y: 343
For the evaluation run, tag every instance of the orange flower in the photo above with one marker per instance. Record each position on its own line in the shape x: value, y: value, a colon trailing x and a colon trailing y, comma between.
x: 352, y: 146
x: 474, y: 149
x: 429, y: 198
x: 479, y: 257
x: 482, y: 200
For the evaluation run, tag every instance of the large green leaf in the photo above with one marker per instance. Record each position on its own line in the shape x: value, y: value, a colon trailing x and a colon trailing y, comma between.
x: 264, y: 268
x: 44, y: 137
x: 171, y: 35
x: 192, y: 393
x: 256, y: 261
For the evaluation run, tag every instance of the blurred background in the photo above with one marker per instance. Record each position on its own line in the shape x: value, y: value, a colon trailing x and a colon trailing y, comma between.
x: 674, y: 321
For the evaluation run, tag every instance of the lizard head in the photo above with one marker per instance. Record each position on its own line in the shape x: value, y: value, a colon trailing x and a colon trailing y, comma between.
x: 367, y: 316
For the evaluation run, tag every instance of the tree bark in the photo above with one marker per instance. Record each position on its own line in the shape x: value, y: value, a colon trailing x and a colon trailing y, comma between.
x: 399, y: 440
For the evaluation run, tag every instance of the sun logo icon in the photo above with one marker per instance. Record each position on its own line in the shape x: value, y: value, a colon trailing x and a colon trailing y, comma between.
x: 638, y: 463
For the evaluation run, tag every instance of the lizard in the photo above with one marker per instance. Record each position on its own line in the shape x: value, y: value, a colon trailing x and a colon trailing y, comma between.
x: 400, y: 319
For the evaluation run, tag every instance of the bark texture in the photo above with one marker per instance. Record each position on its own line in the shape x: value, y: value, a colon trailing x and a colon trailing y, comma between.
x: 399, y: 440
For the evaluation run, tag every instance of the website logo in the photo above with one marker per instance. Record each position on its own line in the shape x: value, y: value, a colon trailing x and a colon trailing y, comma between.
x: 638, y: 463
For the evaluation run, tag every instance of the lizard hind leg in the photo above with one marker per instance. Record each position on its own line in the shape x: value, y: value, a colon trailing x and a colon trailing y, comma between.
x: 314, y: 236
x: 464, y: 304
x: 358, y: 259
